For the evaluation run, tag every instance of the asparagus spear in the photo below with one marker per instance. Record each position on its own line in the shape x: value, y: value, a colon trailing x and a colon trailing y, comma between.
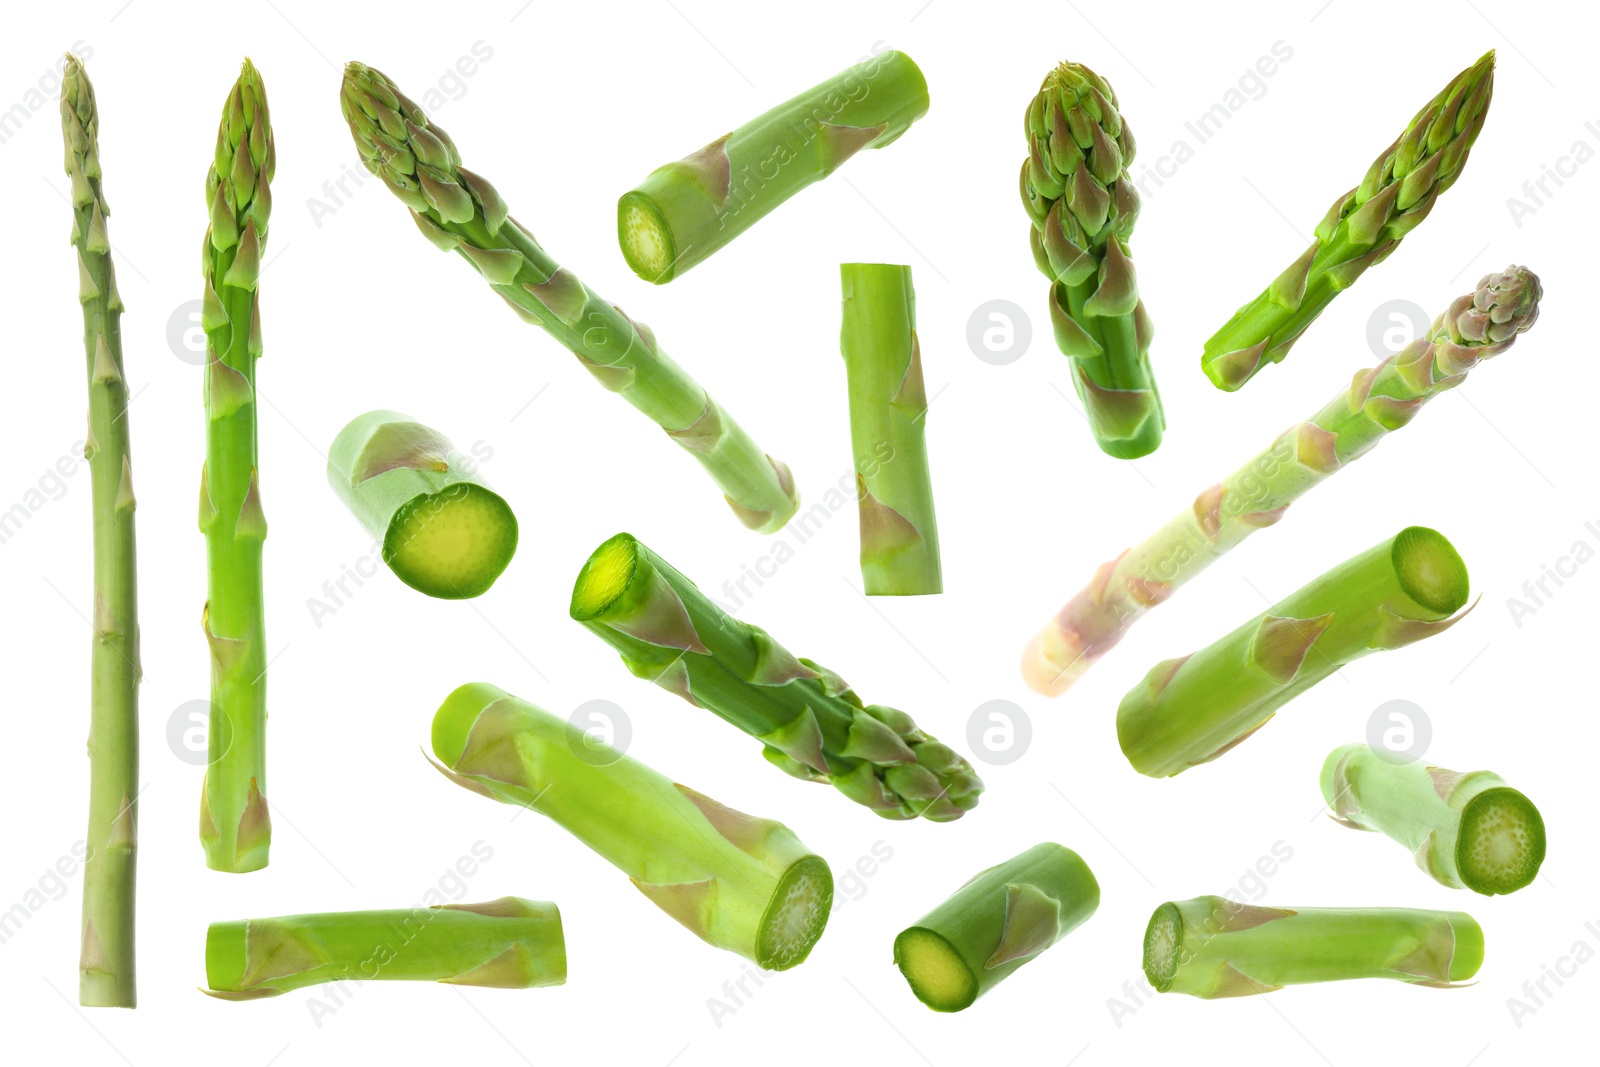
x: 888, y: 407
x: 685, y: 211
x: 106, y: 964
x: 508, y: 943
x: 444, y: 531
x: 1379, y: 399
x: 1212, y: 947
x: 1002, y: 918
x: 456, y: 209
x: 1361, y: 228
x: 1466, y: 830
x: 1193, y: 709
x: 1083, y: 206
x: 811, y: 723
x: 736, y: 881
x: 235, y: 826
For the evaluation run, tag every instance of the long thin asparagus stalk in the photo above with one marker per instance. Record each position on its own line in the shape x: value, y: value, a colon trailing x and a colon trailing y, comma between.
x: 888, y: 411
x: 1212, y: 947
x: 736, y: 881
x: 1379, y: 399
x: 1002, y: 918
x: 1466, y: 830
x: 508, y: 943
x: 106, y: 964
x: 235, y: 826
x: 811, y: 723
x: 458, y: 210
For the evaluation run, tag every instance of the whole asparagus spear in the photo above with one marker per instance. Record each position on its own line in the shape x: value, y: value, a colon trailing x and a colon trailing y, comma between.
x: 1379, y: 399
x: 106, y: 964
x: 235, y: 826
x: 458, y: 210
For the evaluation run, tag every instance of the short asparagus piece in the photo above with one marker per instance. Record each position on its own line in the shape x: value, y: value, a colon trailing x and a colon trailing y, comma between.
x: 458, y: 210
x: 106, y: 963
x: 1213, y: 947
x: 811, y: 723
x: 1466, y: 830
x: 444, y: 531
x: 888, y: 410
x: 1193, y: 709
x: 1362, y: 227
x: 1379, y: 399
x: 508, y: 943
x: 736, y: 881
x: 685, y: 211
x: 999, y: 920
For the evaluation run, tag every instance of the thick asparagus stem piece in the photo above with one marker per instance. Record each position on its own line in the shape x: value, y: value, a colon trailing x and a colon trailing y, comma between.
x: 458, y: 210
x: 685, y: 211
x: 1000, y: 919
x: 106, y: 965
x: 1466, y: 830
x: 810, y: 722
x: 1362, y: 227
x: 888, y: 411
x: 1083, y: 206
x: 1212, y: 947
x: 1379, y: 399
x: 1194, y: 708
x: 235, y: 826
x: 444, y: 531
x: 508, y: 943
x: 736, y: 881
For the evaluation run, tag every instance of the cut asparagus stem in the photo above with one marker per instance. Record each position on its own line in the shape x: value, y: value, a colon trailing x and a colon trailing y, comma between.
x: 106, y: 964
x: 685, y: 211
x: 235, y: 826
x: 736, y: 881
x: 1379, y: 399
x: 1467, y: 831
x: 1361, y: 228
x: 1083, y: 206
x: 508, y: 943
x: 1192, y: 709
x: 999, y: 920
x: 811, y: 723
x: 457, y: 209
x: 888, y: 410
x: 1213, y: 947
x: 444, y: 531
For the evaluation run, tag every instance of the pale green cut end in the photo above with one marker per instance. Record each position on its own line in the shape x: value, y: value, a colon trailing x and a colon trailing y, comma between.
x: 797, y: 915
x: 934, y: 969
x: 453, y: 722
x: 1163, y: 946
x: 1501, y: 843
x: 646, y: 238
x: 452, y: 544
x: 605, y: 576
x: 1430, y: 570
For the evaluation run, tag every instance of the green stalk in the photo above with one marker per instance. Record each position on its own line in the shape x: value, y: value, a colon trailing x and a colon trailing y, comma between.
x: 508, y: 943
x: 685, y: 211
x: 736, y: 881
x: 235, y: 826
x: 1000, y: 919
x: 888, y: 411
x: 458, y: 210
x: 444, y: 531
x: 1379, y: 399
x: 1083, y: 206
x: 106, y: 964
x: 1213, y: 947
x: 1362, y: 228
x: 1466, y: 830
x: 1193, y: 709
x: 811, y: 723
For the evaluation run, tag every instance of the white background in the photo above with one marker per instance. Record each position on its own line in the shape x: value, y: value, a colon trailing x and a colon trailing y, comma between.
x: 575, y: 103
